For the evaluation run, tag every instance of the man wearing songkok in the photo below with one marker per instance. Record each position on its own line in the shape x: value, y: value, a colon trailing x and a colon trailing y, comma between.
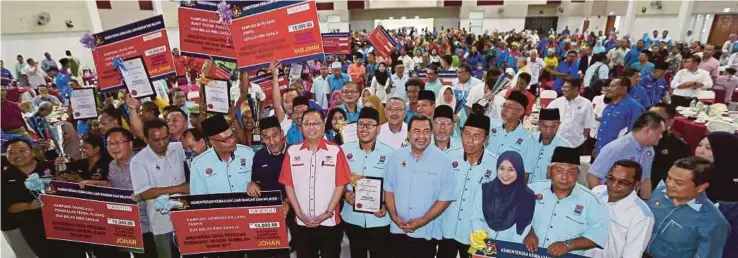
x: 472, y: 165
x: 367, y: 158
x: 548, y: 139
x: 568, y: 218
x: 443, y: 128
x: 512, y: 135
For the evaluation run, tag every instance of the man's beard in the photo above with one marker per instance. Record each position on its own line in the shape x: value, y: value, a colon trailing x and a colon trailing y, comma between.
x: 607, y: 100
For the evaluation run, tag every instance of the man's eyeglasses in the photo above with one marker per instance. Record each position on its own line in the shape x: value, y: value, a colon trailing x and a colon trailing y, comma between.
x: 311, y: 124
x: 116, y: 144
x: 612, y: 180
x: 366, y: 125
x: 443, y: 123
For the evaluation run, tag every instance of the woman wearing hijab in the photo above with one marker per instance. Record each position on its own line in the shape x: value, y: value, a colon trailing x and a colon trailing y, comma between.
x: 598, y: 48
x: 336, y: 99
x: 719, y: 148
x: 447, y: 97
x: 374, y: 102
x: 335, y: 116
x: 504, y: 206
x: 71, y: 141
x: 381, y: 82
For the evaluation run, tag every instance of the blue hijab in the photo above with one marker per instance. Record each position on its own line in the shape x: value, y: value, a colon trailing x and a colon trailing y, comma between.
x: 506, y: 205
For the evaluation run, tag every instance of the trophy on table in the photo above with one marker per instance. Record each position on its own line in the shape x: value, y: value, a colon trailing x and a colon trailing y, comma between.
x: 57, y: 136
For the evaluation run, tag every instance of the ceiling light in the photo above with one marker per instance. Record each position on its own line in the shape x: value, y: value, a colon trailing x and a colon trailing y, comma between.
x: 726, y: 10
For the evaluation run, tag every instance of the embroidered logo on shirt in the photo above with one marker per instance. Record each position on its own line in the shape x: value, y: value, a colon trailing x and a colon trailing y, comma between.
x: 657, y: 204
x: 539, y: 197
x: 351, y: 156
x: 47, y: 172
x: 578, y: 210
x: 328, y: 158
x: 382, y: 158
x: 648, y: 153
x: 494, y: 130
x: 632, y: 158
x: 519, y: 141
x: 488, y: 174
x: 403, y: 164
x: 297, y: 158
x: 209, y: 171
x: 455, y: 164
x: 243, y: 161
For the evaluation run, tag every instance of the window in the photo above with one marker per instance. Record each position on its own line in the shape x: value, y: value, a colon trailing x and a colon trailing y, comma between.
x: 324, y: 6
x: 356, y: 5
x: 553, y: 1
x: 482, y: 3
x: 104, y: 5
x: 577, y: 1
x: 146, y: 5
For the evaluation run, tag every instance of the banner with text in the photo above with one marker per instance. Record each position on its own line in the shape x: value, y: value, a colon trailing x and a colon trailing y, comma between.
x: 229, y: 222
x: 94, y: 215
x: 337, y: 43
x: 446, y: 77
x: 287, y: 31
x: 146, y: 38
x: 503, y: 249
x: 201, y: 34
x: 265, y: 82
x: 382, y: 42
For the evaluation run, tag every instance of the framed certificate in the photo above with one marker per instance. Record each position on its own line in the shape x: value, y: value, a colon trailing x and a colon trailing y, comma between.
x: 216, y: 96
x: 368, y: 194
x: 84, y: 104
x: 137, y: 78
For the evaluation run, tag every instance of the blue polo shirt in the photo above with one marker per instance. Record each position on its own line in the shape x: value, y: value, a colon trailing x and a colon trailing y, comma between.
x: 294, y: 136
x: 418, y: 184
x: 518, y: 140
x: 655, y: 89
x: 615, y: 117
x: 624, y: 147
x: 570, y: 69
x: 456, y: 219
x: 638, y: 93
x: 695, y: 229
x: 266, y: 168
x: 541, y: 155
x: 363, y: 163
x: 336, y: 82
x: 610, y: 45
x: 632, y: 56
x: 209, y: 174
x: 351, y: 116
x: 581, y: 214
x: 645, y: 69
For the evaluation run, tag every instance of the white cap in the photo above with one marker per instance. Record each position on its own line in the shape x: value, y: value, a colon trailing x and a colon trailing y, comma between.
x: 336, y: 65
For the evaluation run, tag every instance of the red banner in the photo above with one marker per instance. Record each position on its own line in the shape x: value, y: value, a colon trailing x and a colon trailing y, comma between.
x: 382, y: 42
x: 337, y: 43
x: 200, y: 33
x: 229, y: 222
x: 146, y: 38
x: 287, y: 31
x: 265, y: 82
x: 94, y: 215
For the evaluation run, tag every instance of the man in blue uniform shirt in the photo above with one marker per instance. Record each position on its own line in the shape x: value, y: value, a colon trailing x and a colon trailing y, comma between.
x: 568, y: 218
x: 569, y: 69
x: 687, y: 223
x: 366, y: 158
x: 337, y: 79
x: 632, y: 56
x: 636, y: 146
x: 655, y: 85
x: 350, y: 102
x: 636, y: 91
x: 643, y: 64
x: 619, y: 114
x: 473, y: 165
x: 225, y: 168
x: 443, y: 127
x: 299, y: 106
x: 512, y: 135
x: 547, y: 139
x: 418, y: 186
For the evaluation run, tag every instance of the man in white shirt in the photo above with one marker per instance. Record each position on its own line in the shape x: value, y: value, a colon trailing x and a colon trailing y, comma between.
x: 464, y: 81
x: 398, y: 82
x: 320, y: 89
x: 34, y: 73
x: 255, y: 91
x: 482, y: 94
x: 394, y: 132
x: 688, y: 82
x: 407, y: 61
x: 577, y: 115
x: 632, y: 220
x: 536, y: 65
x: 159, y: 170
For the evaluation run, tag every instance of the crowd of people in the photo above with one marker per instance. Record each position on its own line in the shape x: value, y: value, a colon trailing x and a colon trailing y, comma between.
x: 451, y: 121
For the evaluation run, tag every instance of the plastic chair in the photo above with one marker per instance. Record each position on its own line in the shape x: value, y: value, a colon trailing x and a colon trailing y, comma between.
x: 547, y: 96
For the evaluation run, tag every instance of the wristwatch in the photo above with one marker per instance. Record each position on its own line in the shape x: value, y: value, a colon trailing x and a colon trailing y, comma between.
x: 568, y: 243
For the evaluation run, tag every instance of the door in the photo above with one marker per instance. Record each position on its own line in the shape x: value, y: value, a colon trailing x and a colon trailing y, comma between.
x: 610, y: 25
x: 722, y: 26
x: 585, y: 25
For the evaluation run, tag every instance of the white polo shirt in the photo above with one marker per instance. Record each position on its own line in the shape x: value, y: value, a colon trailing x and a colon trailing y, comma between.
x: 394, y: 140
x: 685, y: 75
x: 314, y: 176
x: 576, y: 115
x: 148, y: 170
x: 631, y: 225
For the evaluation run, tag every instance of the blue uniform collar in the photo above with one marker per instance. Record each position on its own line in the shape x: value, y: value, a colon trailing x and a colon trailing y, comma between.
x: 480, y: 157
x: 632, y: 141
x: 284, y: 149
x: 694, y: 204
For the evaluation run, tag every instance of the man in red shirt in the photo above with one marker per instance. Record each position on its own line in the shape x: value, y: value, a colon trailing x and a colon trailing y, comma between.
x: 181, y: 65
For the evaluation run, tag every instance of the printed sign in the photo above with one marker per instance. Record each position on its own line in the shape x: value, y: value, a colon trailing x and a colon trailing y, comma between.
x: 229, y: 222
x: 146, y: 38
x: 337, y: 43
x: 503, y: 249
x: 382, y: 42
x: 93, y: 215
x: 265, y: 82
x: 201, y: 34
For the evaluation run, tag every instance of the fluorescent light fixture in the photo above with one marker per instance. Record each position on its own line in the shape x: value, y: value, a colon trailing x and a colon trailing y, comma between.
x: 417, y: 17
x: 612, y: 13
x: 726, y: 10
x: 403, y: 17
x: 392, y: 18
